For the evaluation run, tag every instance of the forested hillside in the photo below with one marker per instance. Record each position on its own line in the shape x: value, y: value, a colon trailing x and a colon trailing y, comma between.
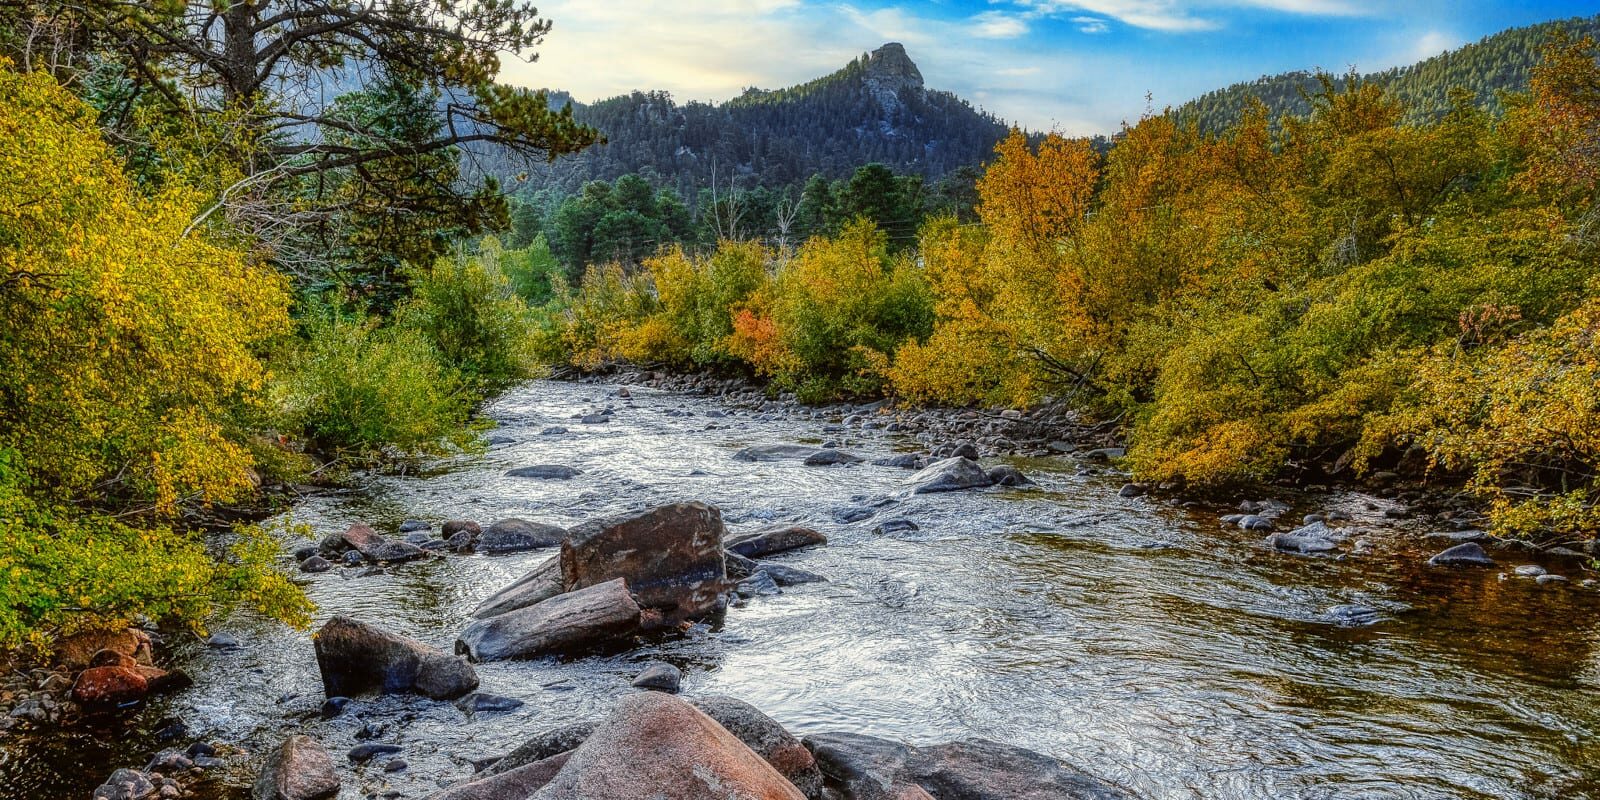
x: 875, y: 110
x: 1497, y: 63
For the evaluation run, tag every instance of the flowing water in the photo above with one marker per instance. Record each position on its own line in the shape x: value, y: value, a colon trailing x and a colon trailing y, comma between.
x: 1147, y: 644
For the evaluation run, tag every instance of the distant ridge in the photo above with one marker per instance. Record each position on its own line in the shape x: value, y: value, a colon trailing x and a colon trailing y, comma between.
x: 875, y: 109
x: 1500, y: 62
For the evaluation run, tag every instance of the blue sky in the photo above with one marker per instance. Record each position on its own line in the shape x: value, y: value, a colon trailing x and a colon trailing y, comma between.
x: 1075, y: 66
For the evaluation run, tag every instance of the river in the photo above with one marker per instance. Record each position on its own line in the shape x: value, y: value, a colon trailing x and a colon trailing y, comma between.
x: 1146, y: 643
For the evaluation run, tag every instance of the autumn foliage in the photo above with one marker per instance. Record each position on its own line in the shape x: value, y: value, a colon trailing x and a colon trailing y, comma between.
x: 1307, y: 297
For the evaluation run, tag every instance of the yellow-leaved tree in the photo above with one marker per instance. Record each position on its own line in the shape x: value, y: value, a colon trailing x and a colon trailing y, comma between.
x: 127, y: 349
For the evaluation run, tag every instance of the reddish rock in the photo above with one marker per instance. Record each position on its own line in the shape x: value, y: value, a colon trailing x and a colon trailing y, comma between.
x: 512, y: 784
x: 109, y: 686
x: 656, y: 745
x: 355, y: 657
x: 566, y: 623
x: 300, y: 769
x: 670, y: 556
x: 78, y: 650
x: 112, y: 658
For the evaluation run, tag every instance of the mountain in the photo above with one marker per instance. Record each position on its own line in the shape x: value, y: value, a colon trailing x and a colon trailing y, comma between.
x: 875, y: 109
x: 1501, y: 62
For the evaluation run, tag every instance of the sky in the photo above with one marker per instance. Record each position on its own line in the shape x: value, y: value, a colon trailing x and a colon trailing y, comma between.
x: 1072, y: 66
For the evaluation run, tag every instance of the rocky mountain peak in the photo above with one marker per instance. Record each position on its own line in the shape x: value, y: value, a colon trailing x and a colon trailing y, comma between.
x: 889, y: 71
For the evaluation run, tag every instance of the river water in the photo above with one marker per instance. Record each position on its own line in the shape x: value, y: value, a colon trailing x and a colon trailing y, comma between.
x: 1147, y: 644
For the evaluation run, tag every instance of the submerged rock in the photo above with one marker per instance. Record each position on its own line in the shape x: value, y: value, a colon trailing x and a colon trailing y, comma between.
x: 776, y: 452
x: 1470, y: 554
x: 949, y: 475
x: 902, y: 461
x: 567, y: 623
x: 1007, y: 475
x: 477, y: 702
x: 897, y: 525
x: 785, y: 575
x: 516, y: 535
x: 656, y: 745
x: 355, y: 658
x: 558, y: 472
x: 829, y: 457
x: 300, y: 769
x: 772, y: 539
x: 659, y: 677
x: 1314, y: 538
x: 1354, y: 615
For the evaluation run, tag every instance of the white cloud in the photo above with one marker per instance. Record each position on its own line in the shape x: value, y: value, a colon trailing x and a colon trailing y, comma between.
x: 1185, y: 16
x: 1433, y: 43
x: 1018, y: 72
x: 998, y: 25
x: 1091, y: 25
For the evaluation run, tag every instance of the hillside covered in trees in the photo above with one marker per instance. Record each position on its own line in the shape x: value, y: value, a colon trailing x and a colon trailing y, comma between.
x: 1502, y: 62
x: 874, y: 110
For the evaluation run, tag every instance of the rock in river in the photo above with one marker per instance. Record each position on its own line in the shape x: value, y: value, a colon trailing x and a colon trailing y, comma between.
x: 355, y: 657
x: 1469, y: 554
x: 772, y: 539
x: 557, y: 472
x: 571, y: 622
x: 515, y: 535
x: 1007, y: 475
x: 1314, y: 538
x: 660, y: 677
x: 767, y: 738
x: 829, y: 457
x: 776, y: 452
x: 949, y: 475
x: 973, y: 769
x: 671, y: 557
x: 656, y: 745
x: 300, y: 769
x: 541, y: 583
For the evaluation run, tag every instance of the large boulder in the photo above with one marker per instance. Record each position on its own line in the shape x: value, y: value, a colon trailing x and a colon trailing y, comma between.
x: 776, y: 452
x: 865, y: 767
x: 767, y: 738
x: 670, y: 556
x: 567, y: 623
x: 300, y: 769
x: 949, y: 475
x: 515, y: 535
x: 868, y: 768
x: 772, y: 539
x: 657, y: 746
x: 511, y: 784
x: 355, y: 658
x: 541, y: 583
x: 978, y: 769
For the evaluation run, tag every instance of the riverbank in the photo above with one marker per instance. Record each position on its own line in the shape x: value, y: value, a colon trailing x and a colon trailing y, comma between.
x: 1147, y: 640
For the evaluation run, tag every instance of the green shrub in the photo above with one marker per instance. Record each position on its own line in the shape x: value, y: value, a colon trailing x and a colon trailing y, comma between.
x: 363, y: 391
x: 468, y: 313
x: 62, y: 570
